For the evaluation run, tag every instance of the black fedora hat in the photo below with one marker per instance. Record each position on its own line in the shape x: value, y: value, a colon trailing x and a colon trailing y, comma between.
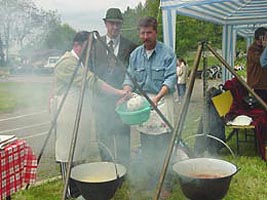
x: 113, y: 15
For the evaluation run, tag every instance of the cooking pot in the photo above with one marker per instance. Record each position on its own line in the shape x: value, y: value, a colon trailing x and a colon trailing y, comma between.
x: 98, y: 180
x: 205, y: 178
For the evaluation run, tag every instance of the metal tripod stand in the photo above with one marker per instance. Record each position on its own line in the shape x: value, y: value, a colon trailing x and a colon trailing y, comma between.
x: 184, y: 108
x: 53, y: 123
x: 78, y: 116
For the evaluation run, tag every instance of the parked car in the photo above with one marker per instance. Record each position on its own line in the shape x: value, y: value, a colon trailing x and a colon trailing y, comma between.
x: 51, y: 62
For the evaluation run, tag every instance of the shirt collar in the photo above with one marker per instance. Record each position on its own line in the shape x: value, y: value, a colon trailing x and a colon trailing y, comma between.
x: 115, y: 40
x: 74, y: 54
x: 156, y: 49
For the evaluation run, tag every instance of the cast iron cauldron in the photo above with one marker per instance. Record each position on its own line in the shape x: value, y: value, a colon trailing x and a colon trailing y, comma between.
x: 205, y: 178
x: 98, y: 180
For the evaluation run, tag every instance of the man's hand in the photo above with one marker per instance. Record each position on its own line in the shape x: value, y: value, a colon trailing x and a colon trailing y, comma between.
x: 122, y: 93
x: 156, y: 100
x: 127, y: 88
x: 163, y: 91
x: 124, y: 97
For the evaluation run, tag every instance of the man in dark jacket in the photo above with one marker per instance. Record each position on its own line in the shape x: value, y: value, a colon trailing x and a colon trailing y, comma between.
x: 109, y: 128
x: 256, y: 75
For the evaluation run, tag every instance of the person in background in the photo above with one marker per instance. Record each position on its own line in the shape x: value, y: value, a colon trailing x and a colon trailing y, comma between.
x: 109, y: 129
x: 263, y: 58
x: 64, y: 70
x: 256, y: 74
x: 182, y: 73
x: 153, y: 65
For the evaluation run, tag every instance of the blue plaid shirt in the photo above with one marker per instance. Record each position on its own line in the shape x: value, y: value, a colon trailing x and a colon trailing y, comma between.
x: 153, y: 72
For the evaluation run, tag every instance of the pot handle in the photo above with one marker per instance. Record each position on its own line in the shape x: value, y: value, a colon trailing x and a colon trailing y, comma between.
x: 215, y: 138
x: 111, y: 155
x: 219, y: 140
x: 237, y: 170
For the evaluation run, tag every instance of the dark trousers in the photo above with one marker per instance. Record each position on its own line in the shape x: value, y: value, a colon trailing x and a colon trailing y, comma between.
x: 181, y: 90
x: 154, y: 150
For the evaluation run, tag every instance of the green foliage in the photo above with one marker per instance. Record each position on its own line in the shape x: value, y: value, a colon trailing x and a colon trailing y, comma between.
x: 241, y: 43
x: 152, y: 8
x: 132, y: 16
x: 55, y: 38
x: 60, y: 37
x: 189, y: 31
x: 188, y: 34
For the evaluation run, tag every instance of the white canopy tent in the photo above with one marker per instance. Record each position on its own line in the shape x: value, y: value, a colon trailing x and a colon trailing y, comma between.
x: 236, y: 16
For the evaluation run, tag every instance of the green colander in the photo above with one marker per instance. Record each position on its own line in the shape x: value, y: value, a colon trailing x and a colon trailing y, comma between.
x: 134, y: 117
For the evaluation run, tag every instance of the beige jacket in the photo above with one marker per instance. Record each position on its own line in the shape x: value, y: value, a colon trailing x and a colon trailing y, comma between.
x: 182, y: 72
x: 65, y: 123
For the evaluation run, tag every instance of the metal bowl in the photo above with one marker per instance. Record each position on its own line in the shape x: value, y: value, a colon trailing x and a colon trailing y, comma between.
x: 98, y: 180
x: 205, y: 178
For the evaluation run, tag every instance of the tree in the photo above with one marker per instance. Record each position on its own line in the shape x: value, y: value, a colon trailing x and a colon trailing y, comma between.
x: 59, y: 37
x: 22, y: 23
x: 187, y: 29
x: 188, y: 37
x: 131, y: 17
x: 152, y: 8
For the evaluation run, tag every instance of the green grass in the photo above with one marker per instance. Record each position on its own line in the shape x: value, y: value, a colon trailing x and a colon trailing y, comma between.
x: 248, y: 184
x: 242, y: 73
x: 211, y: 60
x: 48, y: 191
x: 22, y: 95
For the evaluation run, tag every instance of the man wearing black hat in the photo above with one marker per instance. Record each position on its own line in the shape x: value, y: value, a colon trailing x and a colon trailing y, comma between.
x: 109, y: 128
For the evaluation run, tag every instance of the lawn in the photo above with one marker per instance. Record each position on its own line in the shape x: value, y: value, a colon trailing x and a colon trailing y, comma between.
x: 248, y: 183
x: 23, y: 95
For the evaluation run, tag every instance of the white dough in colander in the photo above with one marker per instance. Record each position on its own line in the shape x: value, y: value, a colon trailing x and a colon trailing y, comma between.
x: 135, y: 102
